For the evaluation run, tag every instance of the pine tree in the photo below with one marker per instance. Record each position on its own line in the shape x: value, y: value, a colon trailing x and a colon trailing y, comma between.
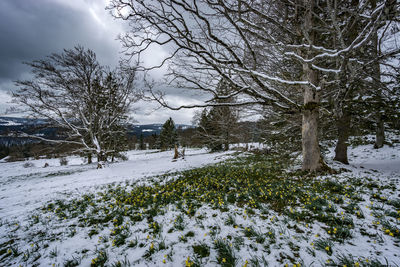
x: 209, y: 131
x: 141, y: 143
x: 168, y: 135
x: 217, y: 127
x: 153, y: 141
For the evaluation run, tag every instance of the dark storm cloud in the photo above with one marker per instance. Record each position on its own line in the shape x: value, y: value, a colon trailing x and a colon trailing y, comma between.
x: 33, y: 29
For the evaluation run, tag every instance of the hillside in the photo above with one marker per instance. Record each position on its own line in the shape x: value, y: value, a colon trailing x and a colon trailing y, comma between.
x: 10, y: 125
x: 248, y: 210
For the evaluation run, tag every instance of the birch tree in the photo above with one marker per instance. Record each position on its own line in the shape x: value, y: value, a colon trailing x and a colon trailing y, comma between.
x: 254, y: 45
x: 75, y: 93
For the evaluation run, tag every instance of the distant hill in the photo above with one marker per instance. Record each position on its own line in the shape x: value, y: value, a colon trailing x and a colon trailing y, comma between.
x: 8, y: 125
x: 150, y: 129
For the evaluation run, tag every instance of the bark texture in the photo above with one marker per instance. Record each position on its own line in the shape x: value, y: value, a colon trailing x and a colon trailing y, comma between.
x: 176, y: 154
x: 312, y: 160
x: 310, y: 145
x: 380, y: 132
x: 380, y: 127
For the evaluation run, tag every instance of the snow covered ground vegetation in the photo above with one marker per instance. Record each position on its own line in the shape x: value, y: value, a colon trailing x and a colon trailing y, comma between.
x: 205, y: 210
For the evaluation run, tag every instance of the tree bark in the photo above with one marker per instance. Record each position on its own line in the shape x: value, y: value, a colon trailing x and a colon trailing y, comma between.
x: 176, y: 154
x: 343, y: 128
x: 380, y: 127
x: 312, y: 160
x: 101, y: 157
x: 310, y: 145
x: 226, y: 143
x: 380, y: 132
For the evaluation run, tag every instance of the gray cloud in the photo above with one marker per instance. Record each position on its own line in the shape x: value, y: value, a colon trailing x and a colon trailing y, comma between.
x: 148, y: 112
x: 33, y: 29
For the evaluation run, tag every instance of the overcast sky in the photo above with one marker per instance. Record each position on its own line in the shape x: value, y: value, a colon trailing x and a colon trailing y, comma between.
x: 33, y: 29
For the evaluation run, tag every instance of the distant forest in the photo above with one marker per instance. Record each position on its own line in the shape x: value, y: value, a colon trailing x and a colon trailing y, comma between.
x: 140, y: 137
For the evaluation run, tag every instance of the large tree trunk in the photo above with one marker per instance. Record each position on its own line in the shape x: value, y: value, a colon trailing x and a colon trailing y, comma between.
x: 343, y: 128
x: 312, y: 160
x: 311, y: 153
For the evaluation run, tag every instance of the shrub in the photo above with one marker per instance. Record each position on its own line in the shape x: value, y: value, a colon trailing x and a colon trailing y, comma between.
x: 28, y: 165
x: 63, y: 161
x: 122, y: 156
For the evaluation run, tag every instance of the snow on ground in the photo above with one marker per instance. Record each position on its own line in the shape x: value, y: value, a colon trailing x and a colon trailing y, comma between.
x: 23, y: 189
x: 381, y: 167
x: 248, y: 146
x: 385, y: 160
x: 365, y: 157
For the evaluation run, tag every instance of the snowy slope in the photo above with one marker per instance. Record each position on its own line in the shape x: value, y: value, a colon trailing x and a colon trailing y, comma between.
x: 23, y: 189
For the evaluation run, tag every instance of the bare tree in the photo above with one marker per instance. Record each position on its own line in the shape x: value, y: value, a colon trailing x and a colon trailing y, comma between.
x: 362, y: 76
x: 249, y: 43
x: 75, y: 93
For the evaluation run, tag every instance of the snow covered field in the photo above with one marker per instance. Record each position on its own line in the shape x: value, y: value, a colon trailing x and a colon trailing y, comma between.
x: 23, y: 189
x: 94, y: 219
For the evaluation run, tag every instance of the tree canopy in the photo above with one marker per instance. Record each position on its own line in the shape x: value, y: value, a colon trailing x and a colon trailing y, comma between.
x: 89, y: 101
x: 288, y: 56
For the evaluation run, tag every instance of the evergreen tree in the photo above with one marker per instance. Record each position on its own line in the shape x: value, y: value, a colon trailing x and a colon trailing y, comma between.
x: 152, y: 140
x: 217, y: 127
x: 209, y: 131
x: 141, y: 143
x: 115, y: 138
x: 168, y: 135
